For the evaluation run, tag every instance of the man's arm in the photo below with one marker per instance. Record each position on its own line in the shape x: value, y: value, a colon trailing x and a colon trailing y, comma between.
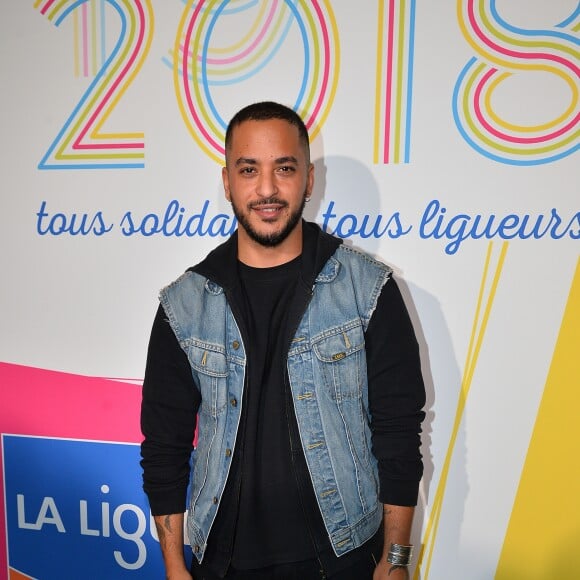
x: 168, y: 419
x: 170, y: 532
x: 397, y: 521
x: 396, y: 399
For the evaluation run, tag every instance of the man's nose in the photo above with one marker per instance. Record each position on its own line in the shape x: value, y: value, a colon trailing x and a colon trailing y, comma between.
x: 266, y: 185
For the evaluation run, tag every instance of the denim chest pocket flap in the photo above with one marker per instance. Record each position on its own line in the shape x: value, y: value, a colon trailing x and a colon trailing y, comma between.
x: 208, y: 359
x: 338, y: 344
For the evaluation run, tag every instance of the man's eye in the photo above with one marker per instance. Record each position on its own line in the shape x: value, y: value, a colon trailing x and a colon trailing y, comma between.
x: 247, y: 170
x: 286, y: 169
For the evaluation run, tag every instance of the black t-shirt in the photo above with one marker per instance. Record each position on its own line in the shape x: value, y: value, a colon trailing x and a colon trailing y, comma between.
x: 268, y: 492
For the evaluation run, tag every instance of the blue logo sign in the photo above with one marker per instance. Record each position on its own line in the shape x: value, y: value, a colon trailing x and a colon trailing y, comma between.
x: 76, y: 509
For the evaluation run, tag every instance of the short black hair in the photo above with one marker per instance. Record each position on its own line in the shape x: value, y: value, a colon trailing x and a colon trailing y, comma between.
x: 264, y: 111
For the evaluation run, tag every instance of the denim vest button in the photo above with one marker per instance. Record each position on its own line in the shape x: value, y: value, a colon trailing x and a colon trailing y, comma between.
x: 215, y: 500
x: 235, y: 345
x: 228, y: 452
x: 233, y: 402
x: 196, y: 549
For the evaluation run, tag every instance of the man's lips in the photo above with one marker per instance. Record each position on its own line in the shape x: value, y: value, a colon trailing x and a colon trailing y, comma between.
x: 267, y: 209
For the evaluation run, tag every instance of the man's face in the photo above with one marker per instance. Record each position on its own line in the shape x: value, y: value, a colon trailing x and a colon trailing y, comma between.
x: 267, y: 179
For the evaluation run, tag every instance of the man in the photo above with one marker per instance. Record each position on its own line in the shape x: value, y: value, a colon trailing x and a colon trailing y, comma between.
x: 295, y: 358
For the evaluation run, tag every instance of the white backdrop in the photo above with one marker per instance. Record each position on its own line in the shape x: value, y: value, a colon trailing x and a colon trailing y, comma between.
x: 445, y: 138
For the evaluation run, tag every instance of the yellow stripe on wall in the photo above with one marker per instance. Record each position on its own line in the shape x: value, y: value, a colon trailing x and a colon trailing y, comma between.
x: 543, y: 535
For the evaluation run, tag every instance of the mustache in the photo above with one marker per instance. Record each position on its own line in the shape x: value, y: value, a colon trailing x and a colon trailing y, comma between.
x: 268, y: 201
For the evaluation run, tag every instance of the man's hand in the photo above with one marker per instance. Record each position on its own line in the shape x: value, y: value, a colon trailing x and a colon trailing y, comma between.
x: 183, y: 575
x: 387, y: 571
x: 397, y: 521
x: 170, y: 532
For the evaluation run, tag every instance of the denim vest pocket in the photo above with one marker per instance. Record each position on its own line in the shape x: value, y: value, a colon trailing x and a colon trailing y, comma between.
x: 340, y: 351
x: 210, y: 368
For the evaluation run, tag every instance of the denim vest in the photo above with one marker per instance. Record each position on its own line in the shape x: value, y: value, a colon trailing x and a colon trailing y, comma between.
x: 328, y: 379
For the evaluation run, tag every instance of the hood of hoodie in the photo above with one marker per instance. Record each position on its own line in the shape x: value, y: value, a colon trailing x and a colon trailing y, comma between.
x: 220, y: 265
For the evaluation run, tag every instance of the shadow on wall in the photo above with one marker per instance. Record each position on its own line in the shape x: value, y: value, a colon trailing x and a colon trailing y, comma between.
x: 437, y: 360
x: 346, y: 202
x: 351, y: 186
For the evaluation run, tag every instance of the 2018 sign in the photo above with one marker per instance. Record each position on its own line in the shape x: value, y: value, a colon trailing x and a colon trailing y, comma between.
x: 503, y: 50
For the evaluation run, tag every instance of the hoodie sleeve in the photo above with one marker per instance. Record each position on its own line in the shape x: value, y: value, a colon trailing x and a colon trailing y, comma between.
x: 168, y: 420
x: 396, y: 398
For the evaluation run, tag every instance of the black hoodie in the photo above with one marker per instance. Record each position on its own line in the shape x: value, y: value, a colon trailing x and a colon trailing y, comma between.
x: 171, y: 400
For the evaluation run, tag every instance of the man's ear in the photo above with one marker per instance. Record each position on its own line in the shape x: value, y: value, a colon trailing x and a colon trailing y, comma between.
x: 310, y: 180
x: 226, y: 182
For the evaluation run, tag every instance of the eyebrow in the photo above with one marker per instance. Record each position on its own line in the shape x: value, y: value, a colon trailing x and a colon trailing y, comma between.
x: 278, y: 161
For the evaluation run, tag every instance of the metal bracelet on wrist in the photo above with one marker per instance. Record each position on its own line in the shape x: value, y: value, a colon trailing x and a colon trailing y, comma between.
x: 400, y: 555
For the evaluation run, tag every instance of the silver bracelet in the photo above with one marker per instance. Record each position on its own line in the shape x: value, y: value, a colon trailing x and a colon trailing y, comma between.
x: 400, y: 555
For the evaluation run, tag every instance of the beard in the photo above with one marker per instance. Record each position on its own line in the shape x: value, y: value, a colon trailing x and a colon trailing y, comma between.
x: 275, y: 238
